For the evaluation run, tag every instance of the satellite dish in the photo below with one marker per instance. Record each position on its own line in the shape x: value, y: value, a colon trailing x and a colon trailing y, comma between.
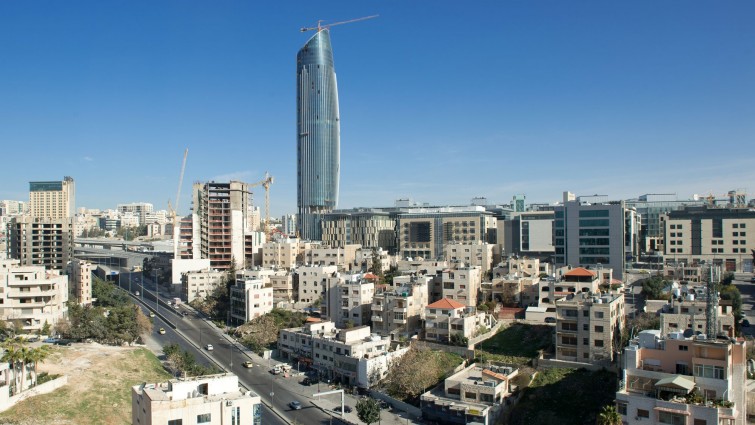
x: 688, y: 333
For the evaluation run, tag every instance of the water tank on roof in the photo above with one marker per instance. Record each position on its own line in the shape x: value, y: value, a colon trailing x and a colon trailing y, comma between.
x: 598, y: 300
x: 677, y: 292
x: 690, y: 297
x: 676, y: 335
x: 607, y: 299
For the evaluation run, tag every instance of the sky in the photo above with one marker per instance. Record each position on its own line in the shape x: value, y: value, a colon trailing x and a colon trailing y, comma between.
x: 440, y: 101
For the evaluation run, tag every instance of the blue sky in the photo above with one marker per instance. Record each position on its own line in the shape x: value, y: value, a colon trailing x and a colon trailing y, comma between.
x: 441, y: 101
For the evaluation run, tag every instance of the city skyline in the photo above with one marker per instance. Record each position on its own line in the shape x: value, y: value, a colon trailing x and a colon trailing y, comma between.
x: 441, y: 104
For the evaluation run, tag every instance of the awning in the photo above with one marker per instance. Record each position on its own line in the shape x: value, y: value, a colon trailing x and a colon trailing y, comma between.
x: 666, y: 409
x: 676, y: 382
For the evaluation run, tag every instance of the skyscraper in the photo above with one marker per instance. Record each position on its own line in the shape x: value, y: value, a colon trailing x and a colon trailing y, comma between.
x: 318, y: 133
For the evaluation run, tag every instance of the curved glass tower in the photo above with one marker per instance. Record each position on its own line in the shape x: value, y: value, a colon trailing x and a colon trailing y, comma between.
x: 318, y: 132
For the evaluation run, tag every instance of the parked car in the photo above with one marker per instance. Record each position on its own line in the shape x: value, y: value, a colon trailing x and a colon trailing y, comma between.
x: 295, y: 405
x: 64, y: 342
x: 51, y: 340
x: 209, y: 347
x: 346, y: 409
x: 247, y: 364
x: 151, y: 314
x: 162, y: 331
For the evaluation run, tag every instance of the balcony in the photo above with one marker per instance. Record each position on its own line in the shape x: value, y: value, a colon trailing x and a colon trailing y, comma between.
x: 377, y: 318
x: 378, y: 307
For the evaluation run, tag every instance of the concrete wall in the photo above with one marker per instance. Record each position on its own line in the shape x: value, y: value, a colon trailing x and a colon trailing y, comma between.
x: 45, y: 388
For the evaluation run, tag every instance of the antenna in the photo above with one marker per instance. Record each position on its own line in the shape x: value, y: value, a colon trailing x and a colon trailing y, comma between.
x: 321, y: 27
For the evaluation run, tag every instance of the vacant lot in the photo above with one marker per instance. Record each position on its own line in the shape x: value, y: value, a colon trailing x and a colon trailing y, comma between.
x: 518, y: 343
x: 564, y: 397
x: 99, y: 386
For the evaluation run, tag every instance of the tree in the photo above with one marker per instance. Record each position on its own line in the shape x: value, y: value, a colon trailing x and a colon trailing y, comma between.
x: 377, y: 264
x: 609, y: 416
x: 418, y: 369
x: 653, y: 288
x: 36, y: 356
x: 368, y: 410
x: 458, y: 339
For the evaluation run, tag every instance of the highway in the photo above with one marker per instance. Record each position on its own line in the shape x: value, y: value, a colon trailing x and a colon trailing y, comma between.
x: 193, y: 332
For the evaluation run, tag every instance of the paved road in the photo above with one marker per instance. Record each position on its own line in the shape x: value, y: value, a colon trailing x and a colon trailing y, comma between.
x: 747, y: 289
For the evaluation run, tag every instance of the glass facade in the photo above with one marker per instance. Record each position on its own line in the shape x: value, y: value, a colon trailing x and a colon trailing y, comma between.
x: 318, y: 134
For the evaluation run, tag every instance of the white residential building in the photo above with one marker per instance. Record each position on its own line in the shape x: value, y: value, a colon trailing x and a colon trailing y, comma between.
x: 250, y: 298
x: 475, y: 254
x: 199, y: 284
x: 348, y: 298
x: 312, y: 281
x: 211, y: 399
x: 447, y: 317
x: 32, y: 295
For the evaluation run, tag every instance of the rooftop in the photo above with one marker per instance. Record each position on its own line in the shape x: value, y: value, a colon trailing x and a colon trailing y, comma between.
x: 446, y: 304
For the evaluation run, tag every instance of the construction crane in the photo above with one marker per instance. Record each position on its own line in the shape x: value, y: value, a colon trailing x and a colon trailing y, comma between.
x: 174, y: 211
x: 266, y: 182
x: 321, y: 27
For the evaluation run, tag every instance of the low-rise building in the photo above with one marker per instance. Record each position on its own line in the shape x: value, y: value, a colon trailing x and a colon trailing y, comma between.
x: 471, y: 396
x: 462, y: 284
x: 343, y: 257
x: 687, y: 314
x: 313, y: 282
x: 476, y: 254
x: 32, y: 295
x: 348, y: 299
x: 212, y: 399
x: 676, y: 380
x: 400, y: 309
x: 250, y: 298
x: 447, y: 317
x: 199, y: 284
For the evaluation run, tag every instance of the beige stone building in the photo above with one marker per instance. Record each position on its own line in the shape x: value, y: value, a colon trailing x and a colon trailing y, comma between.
x: 722, y: 236
x: 461, y: 284
x: 447, y: 317
x: 80, y: 281
x: 285, y: 253
x: 687, y: 314
x: 348, y: 298
x: 41, y: 241
x: 400, y: 309
x: 476, y: 254
x: 368, y: 228
x: 343, y: 257
x: 588, y: 326
x: 424, y: 232
x: 32, y: 295
x: 676, y: 380
x: 212, y: 399
x: 312, y: 282
x: 52, y: 199
x: 199, y: 284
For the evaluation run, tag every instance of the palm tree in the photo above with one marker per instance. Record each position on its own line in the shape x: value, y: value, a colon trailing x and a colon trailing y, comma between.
x: 12, y: 354
x: 609, y: 416
x: 37, y: 356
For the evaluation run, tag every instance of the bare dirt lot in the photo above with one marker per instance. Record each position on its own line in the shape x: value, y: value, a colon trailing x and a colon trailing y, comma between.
x: 99, y: 385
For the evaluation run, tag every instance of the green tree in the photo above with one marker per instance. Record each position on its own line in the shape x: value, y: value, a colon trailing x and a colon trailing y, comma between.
x: 368, y: 410
x: 653, y: 288
x: 609, y: 416
x: 36, y: 356
x: 377, y: 265
x: 458, y: 339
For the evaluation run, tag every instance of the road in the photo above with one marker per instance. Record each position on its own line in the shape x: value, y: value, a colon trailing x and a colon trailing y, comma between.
x: 743, y: 282
x: 193, y: 332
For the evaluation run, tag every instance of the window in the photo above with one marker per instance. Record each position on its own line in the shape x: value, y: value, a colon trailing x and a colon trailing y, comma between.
x: 586, y: 327
x: 468, y: 394
x: 621, y: 408
x: 598, y: 314
x: 683, y: 348
x: 709, y: 371
x: 585, y: 341
x: 641, y: 413
x: 585, y: 313
x: 599, y: 329
x: 598, y: 342
x: 670, y: 418
x: 699, y: 422
x: 203, y: 418
x: 175, y: 422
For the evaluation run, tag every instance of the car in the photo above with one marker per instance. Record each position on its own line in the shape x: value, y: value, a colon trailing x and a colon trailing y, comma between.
x: 162, y: 331
x: 745, y: 323
x: 209, y: 347
x: 346, y: 409
x: 309, y: 381
x: 383, y: 404
x: 33, y: 339
x: 295, y: 405
x: 151, y: 314
x: 247, y: 364
x: 51, y: 340
x: 64, y: 342
x: 136, y: 293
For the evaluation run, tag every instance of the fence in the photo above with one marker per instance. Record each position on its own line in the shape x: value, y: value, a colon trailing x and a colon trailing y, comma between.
x: 45, y: 388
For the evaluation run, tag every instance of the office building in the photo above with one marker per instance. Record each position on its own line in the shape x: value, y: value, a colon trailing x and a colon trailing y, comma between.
x: 318, y: 134
x: 719, y: 236
x: 592, y: 234
x: 651, y: 207
x: 210, y: 399
x: 370, y: 228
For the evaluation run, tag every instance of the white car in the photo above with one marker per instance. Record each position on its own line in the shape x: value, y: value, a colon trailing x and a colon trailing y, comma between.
x: 209, y: 347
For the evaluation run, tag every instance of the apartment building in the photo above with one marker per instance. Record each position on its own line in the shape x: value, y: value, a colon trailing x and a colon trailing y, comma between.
x: 343, y: 257
x: 447, y: 317
x: 366, y: 227
x: 365, y: 257
x: 313, y: 282
x: 250, y: 298
x: 592, y: 234
x: 211, y: 399
x: 285, y: 253
x: 721, y: 236
x: 80, y: 281
x: 477, y: 254
x: 200, y: 283
x: 687, y: 313
x: 673, y: 379
x: 352, y: 356
x: 399, y: 310
x: 423, y: 232
x: 473, y: 395
x: 32, y: 295
x: 348, y: 298
x: 461, y: 284
x: 588, y: 327
x: 280, y: 280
